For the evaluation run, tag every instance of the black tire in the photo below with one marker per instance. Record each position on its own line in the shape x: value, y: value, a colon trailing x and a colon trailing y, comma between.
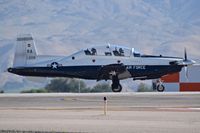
x: 116, y: 88
x: 160, y: 88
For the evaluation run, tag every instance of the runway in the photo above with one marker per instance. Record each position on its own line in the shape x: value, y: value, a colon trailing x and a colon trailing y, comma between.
x: 127, y: 112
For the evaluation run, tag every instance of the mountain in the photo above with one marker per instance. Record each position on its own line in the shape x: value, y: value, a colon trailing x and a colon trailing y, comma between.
x: 65, y: 26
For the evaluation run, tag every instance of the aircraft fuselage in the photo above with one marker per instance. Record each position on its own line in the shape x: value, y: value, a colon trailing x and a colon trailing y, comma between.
x: 109, y: 62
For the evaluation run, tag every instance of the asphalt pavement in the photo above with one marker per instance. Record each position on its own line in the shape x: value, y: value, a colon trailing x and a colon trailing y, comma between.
x: 126, y: 112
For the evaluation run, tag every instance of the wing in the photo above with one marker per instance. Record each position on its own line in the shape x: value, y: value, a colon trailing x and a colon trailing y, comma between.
x: 106, y: 72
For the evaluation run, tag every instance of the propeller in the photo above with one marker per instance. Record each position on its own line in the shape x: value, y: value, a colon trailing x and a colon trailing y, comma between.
x: 186, y: 67
x: 186, y: 63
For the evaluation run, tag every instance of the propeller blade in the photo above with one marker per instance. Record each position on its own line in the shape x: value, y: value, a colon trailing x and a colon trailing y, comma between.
x: 186, y: 61
x: 185, y: 55
x: 186, y: 73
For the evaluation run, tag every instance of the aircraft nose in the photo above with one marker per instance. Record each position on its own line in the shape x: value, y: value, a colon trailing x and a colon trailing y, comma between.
x: 189, y: 62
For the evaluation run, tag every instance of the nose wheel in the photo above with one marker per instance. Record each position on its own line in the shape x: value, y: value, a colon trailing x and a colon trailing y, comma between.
x: 159, y: 86
x: 116, y: 86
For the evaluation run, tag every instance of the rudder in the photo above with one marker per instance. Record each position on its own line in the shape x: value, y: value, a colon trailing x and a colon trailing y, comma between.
x: 25, y: 50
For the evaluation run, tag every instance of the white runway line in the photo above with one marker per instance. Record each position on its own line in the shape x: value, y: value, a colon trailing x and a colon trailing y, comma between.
x: 95, y: 94
x: 194, y: 109
x: 180, y: 109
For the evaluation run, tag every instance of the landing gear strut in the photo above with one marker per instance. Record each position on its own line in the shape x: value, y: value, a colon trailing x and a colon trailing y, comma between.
x: 116, y: 86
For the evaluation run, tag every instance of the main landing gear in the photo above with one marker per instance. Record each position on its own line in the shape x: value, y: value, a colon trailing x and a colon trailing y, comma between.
x: 116, y: 86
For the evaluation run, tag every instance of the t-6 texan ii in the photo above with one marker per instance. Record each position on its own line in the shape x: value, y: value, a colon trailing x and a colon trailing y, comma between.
x: 109, y: 62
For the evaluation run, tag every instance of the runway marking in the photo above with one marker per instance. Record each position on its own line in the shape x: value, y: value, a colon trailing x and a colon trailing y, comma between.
x: 22, y: 131
x: 95, y: 94
x: 110, y: 108
x: 182, y: 109
x: 194, y: 108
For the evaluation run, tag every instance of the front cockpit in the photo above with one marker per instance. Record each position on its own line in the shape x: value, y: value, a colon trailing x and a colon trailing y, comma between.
x: 111, y: 50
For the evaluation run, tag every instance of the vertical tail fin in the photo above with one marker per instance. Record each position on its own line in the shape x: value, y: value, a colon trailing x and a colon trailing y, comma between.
x: 25, y: 50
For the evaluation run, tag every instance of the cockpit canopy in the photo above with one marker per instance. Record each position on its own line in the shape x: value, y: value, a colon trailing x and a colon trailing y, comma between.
x: 111, y: 50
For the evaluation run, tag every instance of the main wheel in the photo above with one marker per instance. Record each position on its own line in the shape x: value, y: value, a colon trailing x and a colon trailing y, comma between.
x: 160, y: 88
x: 116, y: 88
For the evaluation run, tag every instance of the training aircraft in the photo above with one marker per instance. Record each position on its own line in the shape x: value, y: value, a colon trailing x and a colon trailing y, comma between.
x: 109, y: 62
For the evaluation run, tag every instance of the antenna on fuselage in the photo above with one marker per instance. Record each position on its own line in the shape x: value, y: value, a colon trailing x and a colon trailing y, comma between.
x: 108, y: 45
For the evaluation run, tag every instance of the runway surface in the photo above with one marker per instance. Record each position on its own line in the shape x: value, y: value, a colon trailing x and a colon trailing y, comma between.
x: 127, y: 112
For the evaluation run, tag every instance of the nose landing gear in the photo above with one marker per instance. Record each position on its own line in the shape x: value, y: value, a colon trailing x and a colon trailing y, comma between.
x: 159, y: 86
